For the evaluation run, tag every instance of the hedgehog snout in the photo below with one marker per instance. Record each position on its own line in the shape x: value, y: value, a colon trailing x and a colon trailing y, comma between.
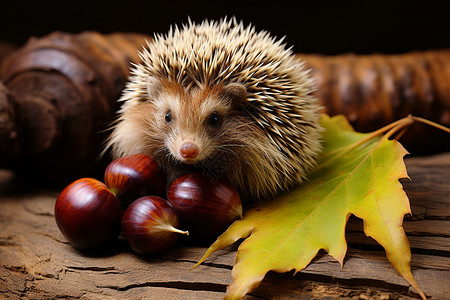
x: 189, y: 150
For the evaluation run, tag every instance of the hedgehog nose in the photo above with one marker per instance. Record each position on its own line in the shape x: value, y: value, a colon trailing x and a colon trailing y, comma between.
x: 189, y: 150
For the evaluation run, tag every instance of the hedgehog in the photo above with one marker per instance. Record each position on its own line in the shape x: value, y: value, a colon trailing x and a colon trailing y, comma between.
x: 224, y: 99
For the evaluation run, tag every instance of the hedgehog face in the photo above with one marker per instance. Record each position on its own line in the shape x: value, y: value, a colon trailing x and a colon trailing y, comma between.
x: 194, y: 121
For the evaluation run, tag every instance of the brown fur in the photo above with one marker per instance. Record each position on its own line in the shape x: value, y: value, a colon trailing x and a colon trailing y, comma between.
x: 143, y: 130
x: 269, y: 132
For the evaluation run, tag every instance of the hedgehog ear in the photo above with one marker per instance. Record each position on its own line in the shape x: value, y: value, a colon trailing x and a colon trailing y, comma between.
x: 236, y: 92
x: 153, y: 87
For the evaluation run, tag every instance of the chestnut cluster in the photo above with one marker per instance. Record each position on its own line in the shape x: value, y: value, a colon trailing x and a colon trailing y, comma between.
x: 132, y: 201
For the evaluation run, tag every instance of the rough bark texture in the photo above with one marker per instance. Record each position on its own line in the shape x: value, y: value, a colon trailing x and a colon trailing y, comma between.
x: 64, y: 90
x: 377, y: 89
x: 36, y: 262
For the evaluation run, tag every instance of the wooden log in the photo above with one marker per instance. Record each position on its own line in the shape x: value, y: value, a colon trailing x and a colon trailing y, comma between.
x: 9, y: 145
x: 6, y: 49
x: 36, y: 261
x: 74, y: 80
x: 65, y: 89
x: 9, y: 136
x: 377, y: 89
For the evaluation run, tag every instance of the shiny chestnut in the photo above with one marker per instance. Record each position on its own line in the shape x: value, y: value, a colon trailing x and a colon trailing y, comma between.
x: 207, y: 206
x: 149, y: 225
x: 134, y: 176
x: 88, y: 214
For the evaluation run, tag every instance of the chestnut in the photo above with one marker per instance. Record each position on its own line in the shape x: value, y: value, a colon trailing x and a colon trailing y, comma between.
x: 134, y: 176
x: 207, y: 206
x: 149, y: 225
x: 88, y: 214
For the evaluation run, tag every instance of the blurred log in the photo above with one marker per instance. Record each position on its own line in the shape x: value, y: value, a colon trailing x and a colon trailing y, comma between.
x: 61, y: 93
x: 65, y: 88
x: 6, y: 48
x: 377, y: 89
x: 8, y: 126
x: 9, y: 145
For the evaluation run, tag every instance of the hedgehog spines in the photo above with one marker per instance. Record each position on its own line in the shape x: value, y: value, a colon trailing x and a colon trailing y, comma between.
x: 285, y: 137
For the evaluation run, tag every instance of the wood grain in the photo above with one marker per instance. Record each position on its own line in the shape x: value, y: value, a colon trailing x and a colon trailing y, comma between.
x: 36, y: 262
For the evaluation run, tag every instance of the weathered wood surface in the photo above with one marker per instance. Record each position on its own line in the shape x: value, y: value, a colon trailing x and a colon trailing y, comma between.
x: 36, y: 262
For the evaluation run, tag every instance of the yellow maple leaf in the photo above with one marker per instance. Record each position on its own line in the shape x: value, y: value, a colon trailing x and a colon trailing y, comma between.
x: 356, y: 174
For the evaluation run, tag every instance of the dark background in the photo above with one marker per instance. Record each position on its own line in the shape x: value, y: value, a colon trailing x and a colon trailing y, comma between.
x: 328, y: 27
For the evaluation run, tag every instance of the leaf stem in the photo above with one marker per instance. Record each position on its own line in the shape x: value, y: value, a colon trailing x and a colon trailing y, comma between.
x: 388, y: 131
x: 431, y: 123
x: 401, y: 124
x: 392, y: 127
x: 401, y: 133
x: 409, y: 120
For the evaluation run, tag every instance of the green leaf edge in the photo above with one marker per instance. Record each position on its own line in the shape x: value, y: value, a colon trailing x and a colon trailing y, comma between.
x: 231, y: 237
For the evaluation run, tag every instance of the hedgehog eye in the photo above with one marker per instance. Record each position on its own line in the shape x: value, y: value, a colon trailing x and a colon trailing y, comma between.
x: 214, y: 119
x: 168, y: 116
